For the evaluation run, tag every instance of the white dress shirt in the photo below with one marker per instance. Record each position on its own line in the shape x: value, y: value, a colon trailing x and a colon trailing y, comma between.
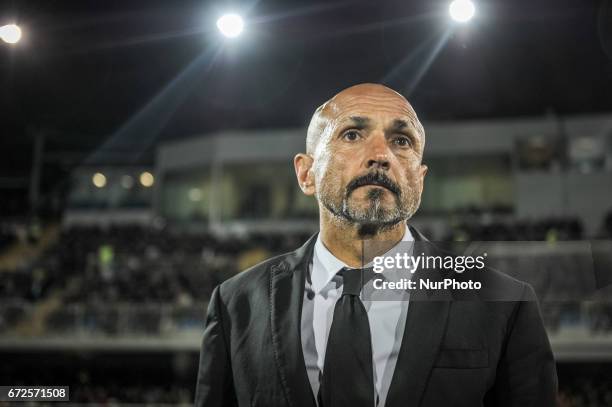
x: 387, y: 319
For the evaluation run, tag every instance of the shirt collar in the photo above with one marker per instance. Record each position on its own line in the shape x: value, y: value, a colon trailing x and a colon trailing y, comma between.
x: 325, y: 265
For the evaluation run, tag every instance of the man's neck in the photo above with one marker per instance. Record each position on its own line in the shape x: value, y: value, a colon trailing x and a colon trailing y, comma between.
x: 345, y: 241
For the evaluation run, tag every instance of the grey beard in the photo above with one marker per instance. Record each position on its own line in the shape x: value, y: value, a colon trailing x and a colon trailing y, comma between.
x: 374, y: 218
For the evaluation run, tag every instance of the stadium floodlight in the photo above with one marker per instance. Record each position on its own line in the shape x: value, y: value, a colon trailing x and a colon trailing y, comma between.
x: 10, y: 33
x: 462, y: 11
x: 99, y: 180
x: 147, y: 179
x: 230, y: 25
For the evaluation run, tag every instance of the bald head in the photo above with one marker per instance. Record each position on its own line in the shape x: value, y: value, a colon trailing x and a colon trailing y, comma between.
x: 359, y: 99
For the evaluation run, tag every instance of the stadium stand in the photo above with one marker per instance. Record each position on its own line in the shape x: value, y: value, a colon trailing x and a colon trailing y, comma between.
x: 132, y: 283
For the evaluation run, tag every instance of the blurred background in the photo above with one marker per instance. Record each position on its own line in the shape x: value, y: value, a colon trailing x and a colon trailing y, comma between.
x: 146, y: 156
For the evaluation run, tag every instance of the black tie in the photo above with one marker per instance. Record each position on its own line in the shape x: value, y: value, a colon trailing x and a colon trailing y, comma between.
x: 348, y: 377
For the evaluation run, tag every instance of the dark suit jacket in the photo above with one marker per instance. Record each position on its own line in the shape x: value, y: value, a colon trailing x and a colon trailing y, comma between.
x: 454, y: 352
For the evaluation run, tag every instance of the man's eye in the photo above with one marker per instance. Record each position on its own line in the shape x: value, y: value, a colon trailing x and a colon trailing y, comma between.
x: 403, y: 141
x: 351, y: 135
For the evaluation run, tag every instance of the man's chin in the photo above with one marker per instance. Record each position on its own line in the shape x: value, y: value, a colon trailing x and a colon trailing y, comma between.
x: 380, y: 212
x: 380, y: 215
x: 378, y: 219
x: 369, y: 228
x: 369, y: 193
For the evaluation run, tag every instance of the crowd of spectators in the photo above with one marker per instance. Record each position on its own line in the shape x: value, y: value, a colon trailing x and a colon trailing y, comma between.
x: 161, y: 378
x: 6, y: 238
x: 116, y: 394
x: 17, y: 230
x: 99, y: 270
x: 585, y: 392
x: 551, y: 229
x: 105, y: 271
x: 585, y: 385
x: 168, y: 378
x: 137, y: 264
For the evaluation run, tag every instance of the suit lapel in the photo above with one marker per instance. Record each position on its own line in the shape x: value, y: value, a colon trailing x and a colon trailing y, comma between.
x: 423, y: 334
x: 286, y: 296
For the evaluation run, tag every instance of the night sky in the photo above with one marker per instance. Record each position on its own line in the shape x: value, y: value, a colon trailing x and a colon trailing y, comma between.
x: 123, y: 75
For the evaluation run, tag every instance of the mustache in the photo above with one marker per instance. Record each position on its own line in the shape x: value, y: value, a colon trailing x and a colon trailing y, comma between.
x: 373, y: 178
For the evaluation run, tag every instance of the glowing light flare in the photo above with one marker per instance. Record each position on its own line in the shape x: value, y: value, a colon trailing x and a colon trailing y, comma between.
x: 99, y: 180
x: 462, y: 11
x: 10, y: 33
x: 147, y: 179
x: 230, y: 25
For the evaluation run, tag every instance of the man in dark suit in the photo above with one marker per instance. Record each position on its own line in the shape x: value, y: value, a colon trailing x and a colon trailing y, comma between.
x: 296, y: 329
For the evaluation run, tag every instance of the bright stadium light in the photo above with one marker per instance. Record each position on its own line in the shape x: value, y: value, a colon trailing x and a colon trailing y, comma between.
x: 99, y: 180
x: 147, y: 179
x: 462, y: 11
x: 230, y: 25
x: 10, y: 33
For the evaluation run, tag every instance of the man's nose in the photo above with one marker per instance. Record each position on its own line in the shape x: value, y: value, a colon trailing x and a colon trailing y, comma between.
x: 378, y: 153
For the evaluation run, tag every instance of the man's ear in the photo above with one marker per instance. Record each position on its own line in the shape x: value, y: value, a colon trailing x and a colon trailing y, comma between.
x: 423, y: 171
x: 303, y: 166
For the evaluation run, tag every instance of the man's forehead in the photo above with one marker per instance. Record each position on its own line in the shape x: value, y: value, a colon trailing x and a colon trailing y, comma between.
x: 373, y: 102
x: 369, y: 103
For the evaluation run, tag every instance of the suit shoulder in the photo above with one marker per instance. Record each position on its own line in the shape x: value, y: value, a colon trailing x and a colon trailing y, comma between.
x: 497, y: 285
x: 254, y: 279
x: 505, y: 279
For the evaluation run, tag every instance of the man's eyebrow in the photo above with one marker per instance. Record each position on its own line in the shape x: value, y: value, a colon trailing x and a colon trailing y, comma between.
x: 360, y: 122
x: 398, y: 124
x: 408, y: 126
